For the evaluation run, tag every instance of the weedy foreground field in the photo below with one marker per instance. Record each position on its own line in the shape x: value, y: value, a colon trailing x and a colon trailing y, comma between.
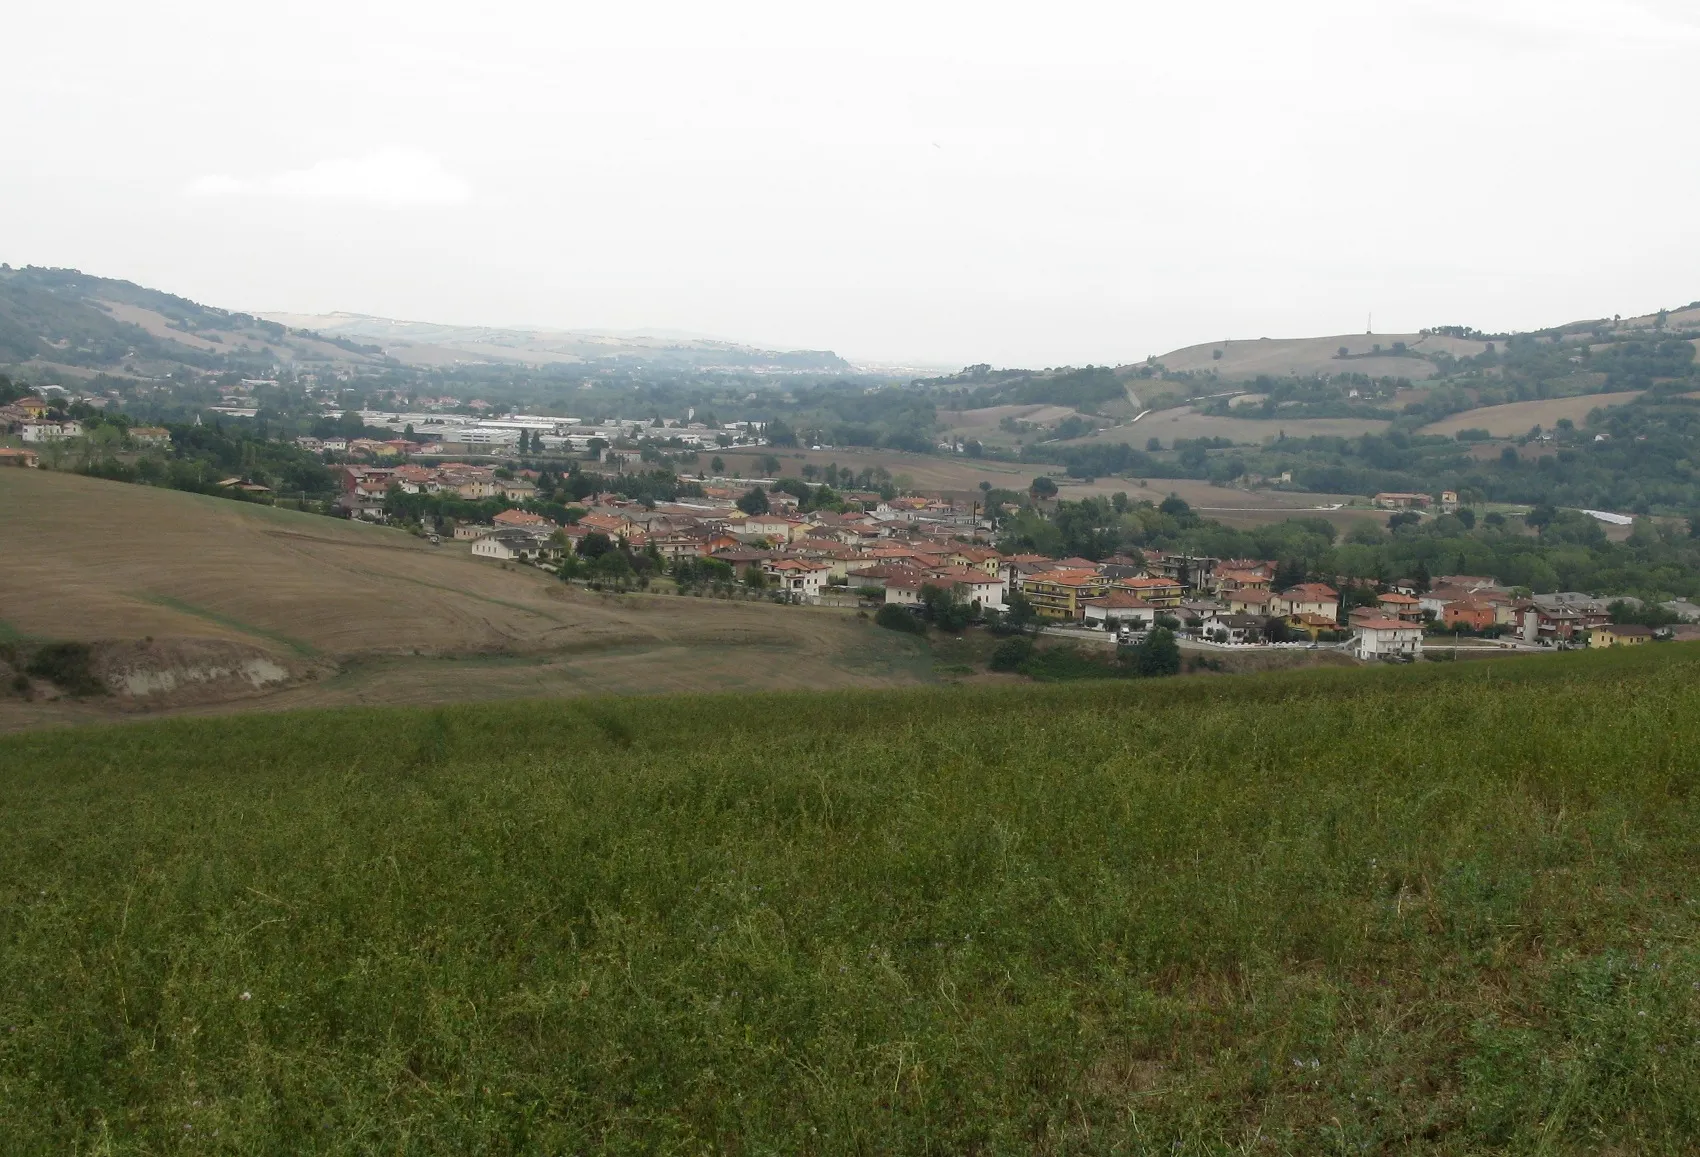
x: 1446, y: 909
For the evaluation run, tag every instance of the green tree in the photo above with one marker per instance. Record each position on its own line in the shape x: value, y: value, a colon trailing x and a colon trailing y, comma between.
x: 612, y: 566
x: 1043, y: 488
x: 1158, y: 655
x: 717, y: 464
x: 754, y: 502
x: 944, y: 609
x: 1019, y: 613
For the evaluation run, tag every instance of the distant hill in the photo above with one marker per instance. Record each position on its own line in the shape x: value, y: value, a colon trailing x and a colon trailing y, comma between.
x: 1398, y: 355
x: 79, y: 325
x: 82, y: 325
x: 420, y: 343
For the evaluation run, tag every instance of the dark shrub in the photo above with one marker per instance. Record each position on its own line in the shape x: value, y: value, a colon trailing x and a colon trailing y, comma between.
x: 67, y: 666
x: 1011, y: 653
x: 895, y: 618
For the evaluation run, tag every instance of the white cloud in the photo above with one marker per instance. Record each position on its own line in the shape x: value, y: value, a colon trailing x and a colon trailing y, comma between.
x: 388, y: 178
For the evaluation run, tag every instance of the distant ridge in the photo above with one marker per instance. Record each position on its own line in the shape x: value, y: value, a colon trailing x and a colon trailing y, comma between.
x: 424, y: 342
x: 77, y: 325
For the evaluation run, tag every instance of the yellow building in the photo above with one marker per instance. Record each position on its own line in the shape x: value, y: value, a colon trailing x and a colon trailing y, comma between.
x: 1163, y: 592
x: 1619, y: 635
x: 1058, y: 594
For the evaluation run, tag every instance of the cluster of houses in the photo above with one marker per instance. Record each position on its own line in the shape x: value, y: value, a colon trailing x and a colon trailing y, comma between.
x: 1224, y: 601
x: 373, y: 448
x: 365, y: 488
x: 894, y: 551
x: 896, y: 547
x: 1399, y: 500
x: 32, y: 420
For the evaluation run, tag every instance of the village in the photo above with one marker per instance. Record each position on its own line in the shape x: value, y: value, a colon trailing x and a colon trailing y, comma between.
x: 873, y: 548
x: 895, y: 550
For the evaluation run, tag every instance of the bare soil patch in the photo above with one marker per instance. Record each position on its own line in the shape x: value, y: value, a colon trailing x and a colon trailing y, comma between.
x: 1186, y: 422
x: 381, y: 616
x: 1517, y: 417
x: 1245, y: 359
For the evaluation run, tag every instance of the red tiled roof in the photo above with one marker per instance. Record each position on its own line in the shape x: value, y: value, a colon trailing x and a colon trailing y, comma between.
x: 1069, y: 578
x: 1122, y: 601
x: 1314, y: 591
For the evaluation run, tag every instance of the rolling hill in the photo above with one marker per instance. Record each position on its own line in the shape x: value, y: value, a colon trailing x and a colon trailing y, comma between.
x: 75, y: 325
x: 427, y: 343
x: 204, y: 603
x: 1369, y: 354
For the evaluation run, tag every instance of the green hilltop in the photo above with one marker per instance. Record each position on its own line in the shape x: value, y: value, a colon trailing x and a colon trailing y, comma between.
x: 1441, y: 909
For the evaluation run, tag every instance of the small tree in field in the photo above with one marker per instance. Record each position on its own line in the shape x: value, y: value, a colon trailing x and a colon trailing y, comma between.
x: 1158, y: 655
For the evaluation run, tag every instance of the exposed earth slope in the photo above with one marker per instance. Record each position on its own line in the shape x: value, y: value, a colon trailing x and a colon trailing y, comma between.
x: 358, y: 613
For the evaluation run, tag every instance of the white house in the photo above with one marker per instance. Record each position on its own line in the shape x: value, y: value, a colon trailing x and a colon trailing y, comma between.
x: 904, y: 591
x: 972, y: 585
x: 769, y: 526
x: 1220, y: 627
x: 1381, y: 638
x: 801, y: 578
x: 1310, y: 599
x: 1119, y: 607
x: 46, y: 430
x: 509, y: 545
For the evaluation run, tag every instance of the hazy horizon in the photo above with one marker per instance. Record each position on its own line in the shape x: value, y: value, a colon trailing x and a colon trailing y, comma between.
x: 936, y: 183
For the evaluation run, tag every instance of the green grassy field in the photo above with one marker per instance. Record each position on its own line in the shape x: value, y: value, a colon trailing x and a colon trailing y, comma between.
x: 1444, y: 909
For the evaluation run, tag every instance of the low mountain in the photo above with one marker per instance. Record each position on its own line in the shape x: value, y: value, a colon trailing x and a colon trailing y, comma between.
x: 421, y: 343
x: 81, y: 325
x: 72, y: 324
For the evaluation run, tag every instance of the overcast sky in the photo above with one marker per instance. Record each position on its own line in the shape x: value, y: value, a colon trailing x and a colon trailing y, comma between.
x: 1024, y: 184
